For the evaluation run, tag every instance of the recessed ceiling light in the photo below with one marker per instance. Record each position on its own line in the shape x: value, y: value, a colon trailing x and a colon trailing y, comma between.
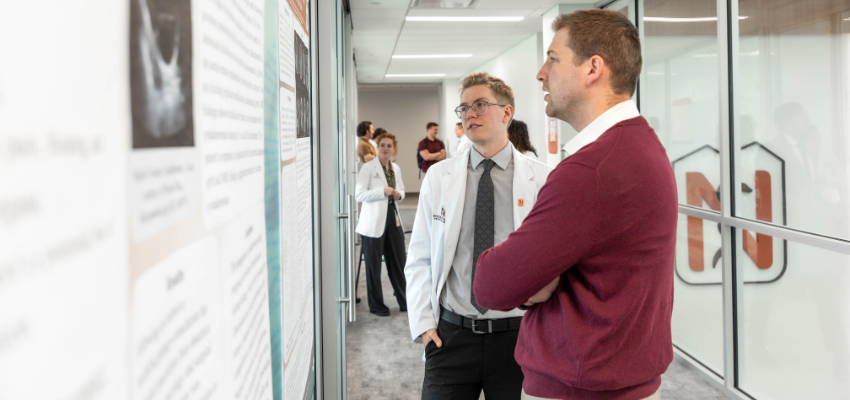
x: 464, y: 19
x: 414, y: 75
x: 703, y: 19
x: 432, y: 56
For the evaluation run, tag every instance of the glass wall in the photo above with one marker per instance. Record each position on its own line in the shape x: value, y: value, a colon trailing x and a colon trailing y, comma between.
x: 698, y: 302
x: 680, y: 100
x: 751, y: 99
x: 792, y: 120
x: 794, y: 338
x: 793, y: 100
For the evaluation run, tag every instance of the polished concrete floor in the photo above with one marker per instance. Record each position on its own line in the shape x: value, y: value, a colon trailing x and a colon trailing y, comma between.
x: 384, y: 363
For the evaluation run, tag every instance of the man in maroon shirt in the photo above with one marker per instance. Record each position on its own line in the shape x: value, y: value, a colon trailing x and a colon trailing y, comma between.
x: 593, y: 261
x: 431, y: 149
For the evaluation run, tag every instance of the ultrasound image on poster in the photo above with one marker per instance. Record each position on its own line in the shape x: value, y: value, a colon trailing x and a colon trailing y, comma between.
x: 161, y: 73
x: 302, y: 88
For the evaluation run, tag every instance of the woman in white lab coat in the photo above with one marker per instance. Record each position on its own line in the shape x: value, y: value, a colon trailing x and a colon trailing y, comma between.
x: 379, y: 188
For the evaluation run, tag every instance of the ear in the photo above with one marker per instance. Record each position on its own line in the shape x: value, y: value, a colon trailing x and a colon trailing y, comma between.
x: 509, y: 113
x: 597, y: 65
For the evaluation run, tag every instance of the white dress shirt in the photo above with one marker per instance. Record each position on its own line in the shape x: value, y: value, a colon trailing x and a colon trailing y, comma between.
x: 375, y: 145
x: 614, y: 115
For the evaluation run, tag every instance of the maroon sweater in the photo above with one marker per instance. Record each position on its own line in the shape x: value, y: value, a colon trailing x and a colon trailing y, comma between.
x: 605, y: 222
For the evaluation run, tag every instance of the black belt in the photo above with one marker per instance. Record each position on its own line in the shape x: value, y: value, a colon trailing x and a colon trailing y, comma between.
x: 482, y: 326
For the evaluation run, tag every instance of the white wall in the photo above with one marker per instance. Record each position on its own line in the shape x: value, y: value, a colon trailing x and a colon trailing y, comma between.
x: 518, y: 67
x: 449, y: 100
x: 403, y: 111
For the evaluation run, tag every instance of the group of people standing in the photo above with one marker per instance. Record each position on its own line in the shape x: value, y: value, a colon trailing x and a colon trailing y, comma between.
x: 527, y: 282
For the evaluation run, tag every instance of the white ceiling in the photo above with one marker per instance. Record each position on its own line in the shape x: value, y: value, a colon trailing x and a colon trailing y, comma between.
x: 380, y: 31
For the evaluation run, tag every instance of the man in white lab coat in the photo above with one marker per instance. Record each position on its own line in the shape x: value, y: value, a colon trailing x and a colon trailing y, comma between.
x: 463, y: 142
x: 466, y: 205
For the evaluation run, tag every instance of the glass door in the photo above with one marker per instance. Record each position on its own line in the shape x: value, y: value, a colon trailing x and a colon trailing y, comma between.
x: 335, y: 201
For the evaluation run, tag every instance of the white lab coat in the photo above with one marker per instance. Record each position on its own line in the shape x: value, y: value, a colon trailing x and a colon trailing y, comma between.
x: 463, y: 143
x: 371, y: 182
x: 437, y: 227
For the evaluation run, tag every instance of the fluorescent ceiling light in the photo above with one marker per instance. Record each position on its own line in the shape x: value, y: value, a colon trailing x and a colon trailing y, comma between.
x: 433, y: 56
x: 702, y: 19
x: 414, y: 75
x: 464, y: 19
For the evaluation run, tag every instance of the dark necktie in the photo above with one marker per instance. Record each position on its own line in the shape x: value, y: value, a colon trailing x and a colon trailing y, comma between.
x: 485, y: 225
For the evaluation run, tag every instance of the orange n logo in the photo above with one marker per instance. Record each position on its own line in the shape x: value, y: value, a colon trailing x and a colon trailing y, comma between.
x: 758, y: 248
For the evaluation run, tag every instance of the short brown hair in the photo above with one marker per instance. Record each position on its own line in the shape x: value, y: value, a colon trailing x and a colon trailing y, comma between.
x: 362, y: 128
x: 609, y: 35
x: 503, y: 93
x: 387, y: 135
x: 431, y: 124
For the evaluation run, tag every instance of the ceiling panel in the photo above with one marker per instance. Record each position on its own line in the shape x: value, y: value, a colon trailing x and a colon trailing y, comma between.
x: 509, y: 4
x: 357, y: 14
x: 435, y: 48
x: 447, y: 28
x: 375, y: 39
x: 493, y: 12
x: 449, y: 39
x: 367, y: 26
x: 384, y: 4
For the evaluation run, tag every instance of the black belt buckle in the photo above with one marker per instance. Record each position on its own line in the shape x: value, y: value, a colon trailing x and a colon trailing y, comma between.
x: 475, y: 326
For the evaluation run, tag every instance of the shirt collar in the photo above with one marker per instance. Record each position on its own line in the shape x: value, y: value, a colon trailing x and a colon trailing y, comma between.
x: 614, y: 115
x: 502, y: 158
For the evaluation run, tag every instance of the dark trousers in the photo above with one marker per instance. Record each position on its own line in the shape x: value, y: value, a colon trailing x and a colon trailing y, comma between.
x: 391, y: 246
x: 469, y: 362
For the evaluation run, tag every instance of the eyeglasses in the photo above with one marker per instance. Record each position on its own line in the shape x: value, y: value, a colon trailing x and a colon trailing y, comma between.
x: 480, y: 108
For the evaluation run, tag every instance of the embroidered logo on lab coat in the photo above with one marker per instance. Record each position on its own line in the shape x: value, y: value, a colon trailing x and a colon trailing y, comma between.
x: 442, y: 216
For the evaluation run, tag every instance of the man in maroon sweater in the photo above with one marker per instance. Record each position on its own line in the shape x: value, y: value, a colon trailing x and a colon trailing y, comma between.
x: 593, y: 262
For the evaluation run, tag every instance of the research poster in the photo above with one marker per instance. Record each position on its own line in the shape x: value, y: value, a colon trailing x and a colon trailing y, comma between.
x: 296, y: 198
x: 135, y: 259
x: 198, y: 286
x: 64, y: 121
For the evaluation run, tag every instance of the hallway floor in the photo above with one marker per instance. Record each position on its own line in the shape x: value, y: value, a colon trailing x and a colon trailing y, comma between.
x: 384, y: 364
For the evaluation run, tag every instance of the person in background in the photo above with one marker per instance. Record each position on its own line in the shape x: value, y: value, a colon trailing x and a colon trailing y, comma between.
x: 378, y: 132
x: 518, y: 134
x: 593, y: 262
x: 468, y: 204
x: 431, y: 149
x: 379, y: 187
x: 365, y: 150
x: 463, y: 142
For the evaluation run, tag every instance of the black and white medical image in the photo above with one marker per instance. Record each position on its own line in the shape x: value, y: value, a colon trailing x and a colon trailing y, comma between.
x: 302, y: 89
x: 161, y: 73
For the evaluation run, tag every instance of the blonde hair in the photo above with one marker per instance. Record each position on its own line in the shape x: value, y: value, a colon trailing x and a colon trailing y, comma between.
x: 390, y: 136
x: 501, y: 91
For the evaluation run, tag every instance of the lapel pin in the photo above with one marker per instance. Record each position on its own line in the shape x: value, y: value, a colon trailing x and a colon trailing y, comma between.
x: 520, y: 202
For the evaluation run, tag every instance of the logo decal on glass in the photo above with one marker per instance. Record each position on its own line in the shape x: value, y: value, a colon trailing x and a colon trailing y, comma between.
x: 763, y: 198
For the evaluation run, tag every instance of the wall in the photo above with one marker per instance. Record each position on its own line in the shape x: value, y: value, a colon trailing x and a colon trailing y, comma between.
x: 403, y: 111
x: 449, y: 100
x: 518, y: 67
